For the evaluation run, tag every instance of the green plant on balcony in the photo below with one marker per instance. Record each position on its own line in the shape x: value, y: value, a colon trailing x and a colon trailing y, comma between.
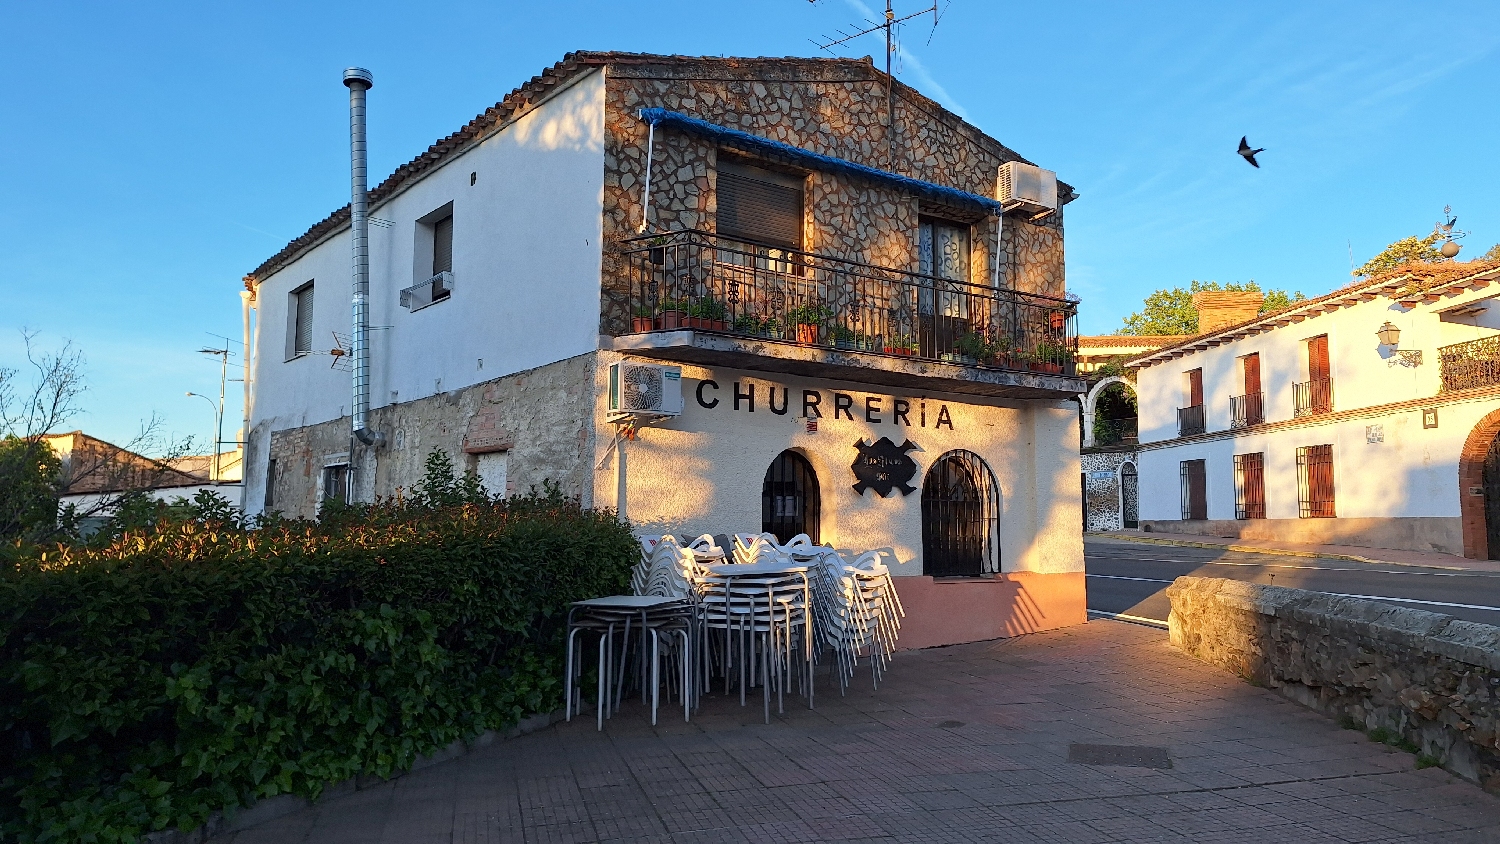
x: 752, y: 324
x: 1052, y: 357
x: 900, y: 344
x: 808, y: 319
x: 845, y: 337
x: 974, y: 346
x: 708, y: 308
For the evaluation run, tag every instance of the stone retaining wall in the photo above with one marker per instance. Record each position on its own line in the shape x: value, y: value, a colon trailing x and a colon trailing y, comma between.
x: 1429, y: 678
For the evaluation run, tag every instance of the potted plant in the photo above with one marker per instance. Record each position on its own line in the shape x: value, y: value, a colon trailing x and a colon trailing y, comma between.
x: 847, y: 338
x: 808, y: 319
x: 641, y: 320
x: 707, y: 314
x: 901, y: 344
x: 673, y: 314
x: 971, y: 348
x: 1049, y: 357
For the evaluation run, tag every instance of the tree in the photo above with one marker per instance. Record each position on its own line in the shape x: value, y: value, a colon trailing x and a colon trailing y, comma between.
x: 33, y: 477
x: 1172, y: 311
x: 1406, y: 250
x: 1492, y: 255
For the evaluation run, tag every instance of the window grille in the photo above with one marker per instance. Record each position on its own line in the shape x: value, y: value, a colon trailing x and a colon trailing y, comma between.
x: 302, y: 320
x: 270, y: 482
x: 1315, y: 482
x: 789, y: 500
x: 1250, y: 486
x: 1194, y: 490
x: 336, y: 482
x: 961, y: 517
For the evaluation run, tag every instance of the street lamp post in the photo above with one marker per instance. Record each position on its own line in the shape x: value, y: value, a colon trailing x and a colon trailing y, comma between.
x: 218, y: 432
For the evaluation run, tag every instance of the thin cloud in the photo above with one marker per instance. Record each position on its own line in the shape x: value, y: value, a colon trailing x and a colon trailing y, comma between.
x: 908, y: 59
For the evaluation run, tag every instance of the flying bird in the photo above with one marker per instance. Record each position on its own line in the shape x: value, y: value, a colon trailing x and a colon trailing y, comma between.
x: 1249, y: 153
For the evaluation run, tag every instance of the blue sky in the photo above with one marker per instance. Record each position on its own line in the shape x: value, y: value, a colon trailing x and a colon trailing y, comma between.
x: 153, y: 153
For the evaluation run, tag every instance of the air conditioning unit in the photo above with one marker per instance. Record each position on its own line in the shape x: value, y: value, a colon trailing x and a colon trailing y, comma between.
x: 434, y: 289
x: 645, y: 389
x: 1027, y: 187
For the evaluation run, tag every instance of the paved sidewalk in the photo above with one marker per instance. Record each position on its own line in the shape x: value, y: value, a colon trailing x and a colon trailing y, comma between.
x: 1305, y: 549
x: 968, y: 743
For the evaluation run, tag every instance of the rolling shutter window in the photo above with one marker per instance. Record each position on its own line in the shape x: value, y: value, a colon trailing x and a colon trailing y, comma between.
x: 442, y: 246
x: 760, y: 207
x: 302, y: 342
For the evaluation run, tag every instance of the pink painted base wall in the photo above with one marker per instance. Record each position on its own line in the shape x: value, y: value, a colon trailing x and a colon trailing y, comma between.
x: 951, y: 612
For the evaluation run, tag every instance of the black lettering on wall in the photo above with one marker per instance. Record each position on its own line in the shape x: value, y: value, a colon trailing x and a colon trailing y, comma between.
x: 843, y: 404
x: 810, y: 401
x: 923, y: 408
x: 943, y: 418
x: 786, y: 400
x: 706, y: 403
x: 899, y: 409
x: 872, y: 407
x: 748, y: 396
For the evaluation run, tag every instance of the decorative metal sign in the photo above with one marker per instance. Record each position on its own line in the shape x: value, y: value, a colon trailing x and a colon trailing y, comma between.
x: 883, y: 466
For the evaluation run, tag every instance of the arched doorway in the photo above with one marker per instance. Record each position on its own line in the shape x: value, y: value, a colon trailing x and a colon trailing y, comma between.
x: 1130, y: 496
x: 789, y: 502
x: 1490, y: 480
x: 1474, y: 492
x: 960, y: 517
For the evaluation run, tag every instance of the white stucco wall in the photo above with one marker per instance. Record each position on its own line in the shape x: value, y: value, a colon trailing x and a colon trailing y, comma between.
x: 702, y: 471
x: 1411, y: 473
x: 526, y: 265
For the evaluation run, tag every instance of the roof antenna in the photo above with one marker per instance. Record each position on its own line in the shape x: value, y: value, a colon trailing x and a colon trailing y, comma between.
x: 888, y: 24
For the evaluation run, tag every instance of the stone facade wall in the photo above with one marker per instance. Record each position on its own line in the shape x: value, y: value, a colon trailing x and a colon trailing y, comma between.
x: 835, y: 108
x: 1429, y: 678
x: 1101, y: 496
x: 541, y: 417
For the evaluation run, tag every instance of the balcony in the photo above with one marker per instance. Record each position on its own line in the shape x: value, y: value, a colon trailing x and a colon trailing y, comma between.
x: 1464, y: 366
x: 1190, y: 421
x: 699, y: 298
x: 1247, y: 410
x: 1314, y: 397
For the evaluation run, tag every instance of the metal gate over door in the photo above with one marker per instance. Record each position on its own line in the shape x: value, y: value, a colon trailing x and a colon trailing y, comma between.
x: 1130, y: 496
x: 960, y: 517
x: 1492, y: 498
x: 789, y: 502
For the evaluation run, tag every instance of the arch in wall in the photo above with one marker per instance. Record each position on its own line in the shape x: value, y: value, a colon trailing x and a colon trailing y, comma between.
x: 789, y: 499
x: 960, y: 517
x: 1091, y: 400
x: 1471, y: 497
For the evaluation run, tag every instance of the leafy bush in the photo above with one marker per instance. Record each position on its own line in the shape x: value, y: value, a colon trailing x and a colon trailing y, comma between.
x: 195, y: 665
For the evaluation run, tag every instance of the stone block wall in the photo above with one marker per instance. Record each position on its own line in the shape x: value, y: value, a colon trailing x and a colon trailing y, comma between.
x: 831, y: 107
x: 541, y: 417
x: 1101, y: 496
x: 1430, y: 678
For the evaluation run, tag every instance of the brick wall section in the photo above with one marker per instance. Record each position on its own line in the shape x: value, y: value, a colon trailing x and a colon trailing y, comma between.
x: 1430, y: 678
x: 835, y: 108
x: 1470, y: 476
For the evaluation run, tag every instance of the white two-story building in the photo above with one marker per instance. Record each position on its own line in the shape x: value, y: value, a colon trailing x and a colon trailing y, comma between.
x: 1366, y: 417
x: 719, y: 295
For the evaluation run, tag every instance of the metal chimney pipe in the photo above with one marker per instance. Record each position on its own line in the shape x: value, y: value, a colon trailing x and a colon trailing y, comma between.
x: 359, y: 81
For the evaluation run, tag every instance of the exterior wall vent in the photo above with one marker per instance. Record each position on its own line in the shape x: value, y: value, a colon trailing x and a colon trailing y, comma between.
x: 644, y: 389
x: 434, y: 289
x: 1026, y: 187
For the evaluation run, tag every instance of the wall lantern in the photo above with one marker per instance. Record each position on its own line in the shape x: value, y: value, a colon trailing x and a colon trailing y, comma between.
x: 1389, y: 335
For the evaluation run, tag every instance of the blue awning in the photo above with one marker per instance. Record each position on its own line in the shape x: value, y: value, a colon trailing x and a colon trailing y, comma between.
x: 746, y: 142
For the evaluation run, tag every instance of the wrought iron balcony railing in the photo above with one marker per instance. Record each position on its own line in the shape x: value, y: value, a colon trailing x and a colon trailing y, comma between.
x: 699, y: 281
x: 1313, y: 397
x: 1115, y: 431
x: 1247, y: 410
x: 1464, y: 366
x: 1190, y: 421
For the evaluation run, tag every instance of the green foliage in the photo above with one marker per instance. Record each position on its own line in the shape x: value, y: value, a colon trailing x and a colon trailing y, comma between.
x: 193, y: 665
x: 809, y: 315
x: 1406, y: 250
x: 708, y: 308
x: 29, y: 489
x: 1492, y: 255
x: 1172, y: 312
x: 1425, y: 761
x: 1112, y: 368
x: 1380, y: 734
x: 1349, y: 722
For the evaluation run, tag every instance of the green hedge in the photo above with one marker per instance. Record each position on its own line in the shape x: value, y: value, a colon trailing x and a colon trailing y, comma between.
x: 195, y: 666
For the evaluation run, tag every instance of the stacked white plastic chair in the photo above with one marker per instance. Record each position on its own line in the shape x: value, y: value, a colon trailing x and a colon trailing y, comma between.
x: 859, y: 612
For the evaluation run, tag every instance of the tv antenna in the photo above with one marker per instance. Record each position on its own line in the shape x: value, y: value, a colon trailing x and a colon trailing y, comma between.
x: 888, y: 24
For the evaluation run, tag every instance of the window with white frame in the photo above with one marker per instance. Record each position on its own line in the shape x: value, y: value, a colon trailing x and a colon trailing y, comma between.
x: 432, y: 273
x: 299, y: 322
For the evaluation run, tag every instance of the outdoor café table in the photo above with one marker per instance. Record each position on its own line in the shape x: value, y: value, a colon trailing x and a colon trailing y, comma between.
x: 604, y: 614
x: 766, y: 572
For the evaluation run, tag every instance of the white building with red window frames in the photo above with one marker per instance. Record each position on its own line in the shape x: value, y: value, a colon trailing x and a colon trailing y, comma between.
x: 819, y: 327
x: 1366, y: 417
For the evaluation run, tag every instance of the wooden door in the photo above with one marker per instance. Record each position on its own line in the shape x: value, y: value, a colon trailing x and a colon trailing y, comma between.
x: 1317, y: 358
x: 1195, y: 387
x: 1252, y: 374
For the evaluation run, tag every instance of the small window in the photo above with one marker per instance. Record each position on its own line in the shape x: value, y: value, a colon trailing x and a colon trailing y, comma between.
x: 759, y: 206
x: 270, y: 482
x: 442, y: 245
x: 1315, y: 482
x: 300, y: 321
x: 1194, y: 490
x: 1250, y: 486
x: 336, y: 482
x: 432, y: 270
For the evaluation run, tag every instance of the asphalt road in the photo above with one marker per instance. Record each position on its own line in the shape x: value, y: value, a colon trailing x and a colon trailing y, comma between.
x: 1129, y: 579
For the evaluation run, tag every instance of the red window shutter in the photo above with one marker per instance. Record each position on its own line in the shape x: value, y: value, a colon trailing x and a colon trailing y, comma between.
x: 1195, y: 387
x: 1252, y: 374
x: 1317, y: 358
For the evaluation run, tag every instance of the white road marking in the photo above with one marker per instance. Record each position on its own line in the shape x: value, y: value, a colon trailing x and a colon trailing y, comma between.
x: 1134, y: 619
x: 1291, y: 566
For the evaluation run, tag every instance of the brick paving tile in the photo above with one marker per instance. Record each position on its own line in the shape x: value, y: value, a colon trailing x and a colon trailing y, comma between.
x: 967, y: 743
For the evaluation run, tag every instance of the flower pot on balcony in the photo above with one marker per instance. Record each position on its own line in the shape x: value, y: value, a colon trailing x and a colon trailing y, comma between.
x: 954, y: 357
x: 641, y: 324
x: 668, y: 320
x: 807, y: 334
x: 1048, y: 367
x: 1059, y: 320
x: 705, y: 324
